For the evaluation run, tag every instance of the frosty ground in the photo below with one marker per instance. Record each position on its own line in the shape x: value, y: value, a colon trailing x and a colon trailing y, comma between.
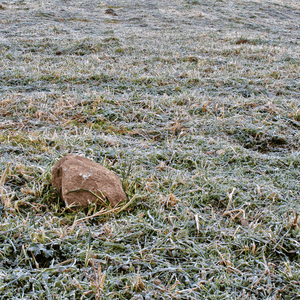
x: 195, y: 105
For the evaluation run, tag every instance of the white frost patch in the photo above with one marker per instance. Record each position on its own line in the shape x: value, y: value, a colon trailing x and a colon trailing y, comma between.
x: 86, y: 176
x: 2, y: 274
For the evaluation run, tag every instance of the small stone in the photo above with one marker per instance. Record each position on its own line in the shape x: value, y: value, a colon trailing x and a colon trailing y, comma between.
x: 110, y: 11
x: 81, y: 181
x: 244, y: 222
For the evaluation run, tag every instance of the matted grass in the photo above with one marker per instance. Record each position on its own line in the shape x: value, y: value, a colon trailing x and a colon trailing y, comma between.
x: 195, y: 105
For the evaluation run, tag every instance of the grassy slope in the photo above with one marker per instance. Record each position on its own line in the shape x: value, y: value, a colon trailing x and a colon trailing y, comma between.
x: 195, y: 105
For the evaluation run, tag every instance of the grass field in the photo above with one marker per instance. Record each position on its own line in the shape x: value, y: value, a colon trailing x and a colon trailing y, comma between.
x: 195, y: 104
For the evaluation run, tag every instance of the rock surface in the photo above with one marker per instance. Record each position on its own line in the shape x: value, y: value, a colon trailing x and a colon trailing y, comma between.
x: 79, y: 180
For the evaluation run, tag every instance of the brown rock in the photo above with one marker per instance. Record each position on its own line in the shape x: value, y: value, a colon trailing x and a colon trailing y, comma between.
x: 79, y: 180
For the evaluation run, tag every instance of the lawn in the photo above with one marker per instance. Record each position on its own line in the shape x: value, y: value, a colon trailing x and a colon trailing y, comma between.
x: 195, y: 105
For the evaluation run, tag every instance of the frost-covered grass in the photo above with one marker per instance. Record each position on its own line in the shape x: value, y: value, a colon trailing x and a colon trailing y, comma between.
x: 195, y: 105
